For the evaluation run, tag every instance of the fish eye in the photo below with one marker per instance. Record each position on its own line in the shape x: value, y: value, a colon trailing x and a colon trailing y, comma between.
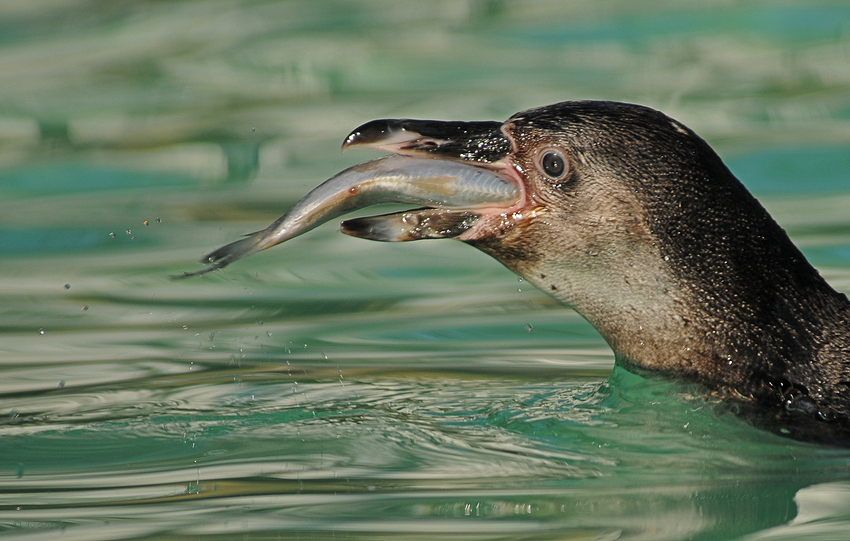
x: 553, y: 163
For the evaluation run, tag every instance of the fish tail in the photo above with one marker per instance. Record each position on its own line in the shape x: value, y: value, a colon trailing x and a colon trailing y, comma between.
x: 220, y: 258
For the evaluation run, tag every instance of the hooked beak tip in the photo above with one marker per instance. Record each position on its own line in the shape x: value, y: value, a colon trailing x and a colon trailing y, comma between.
x: 378, y: 134
x: 351, y: 140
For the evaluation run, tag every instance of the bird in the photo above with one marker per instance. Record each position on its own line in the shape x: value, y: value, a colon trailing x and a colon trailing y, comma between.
x: 630, y: 218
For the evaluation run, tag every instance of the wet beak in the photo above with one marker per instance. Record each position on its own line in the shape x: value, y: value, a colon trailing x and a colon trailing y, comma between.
x: 474, y: 142
x: 455, y: 170
x: 480, y: 144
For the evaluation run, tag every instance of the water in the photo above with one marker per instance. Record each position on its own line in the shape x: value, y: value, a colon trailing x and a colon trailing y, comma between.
x: 335, y: 388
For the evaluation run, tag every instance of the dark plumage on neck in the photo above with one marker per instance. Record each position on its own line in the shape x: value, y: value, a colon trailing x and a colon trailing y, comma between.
x: 678, y: 266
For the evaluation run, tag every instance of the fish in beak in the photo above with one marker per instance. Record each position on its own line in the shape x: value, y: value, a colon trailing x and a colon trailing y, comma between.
x: 455, y: 172
x: 630, y: 218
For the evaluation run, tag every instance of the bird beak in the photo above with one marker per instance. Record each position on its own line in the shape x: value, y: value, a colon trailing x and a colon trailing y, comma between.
x: 477, y: 142
x: 480, y: 145
x: 457, y: 171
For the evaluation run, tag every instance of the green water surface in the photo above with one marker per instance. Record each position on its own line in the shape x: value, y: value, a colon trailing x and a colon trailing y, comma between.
x: 335, y: 388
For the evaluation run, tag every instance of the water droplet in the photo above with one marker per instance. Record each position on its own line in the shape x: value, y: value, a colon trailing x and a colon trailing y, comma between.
x: 529, y: 327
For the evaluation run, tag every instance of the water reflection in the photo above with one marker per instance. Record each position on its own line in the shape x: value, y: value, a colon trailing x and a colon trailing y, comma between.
x: 412, y: 453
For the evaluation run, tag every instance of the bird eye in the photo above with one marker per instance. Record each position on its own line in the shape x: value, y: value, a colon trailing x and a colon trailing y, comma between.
x: 553, y: 164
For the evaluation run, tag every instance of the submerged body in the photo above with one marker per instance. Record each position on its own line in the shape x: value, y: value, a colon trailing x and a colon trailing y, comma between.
x: 634, y: 221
